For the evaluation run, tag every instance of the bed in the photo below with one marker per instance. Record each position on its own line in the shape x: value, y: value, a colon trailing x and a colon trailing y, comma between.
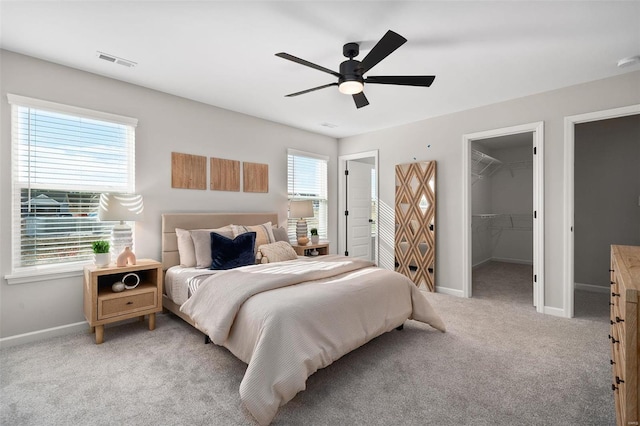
x: 285, y: 319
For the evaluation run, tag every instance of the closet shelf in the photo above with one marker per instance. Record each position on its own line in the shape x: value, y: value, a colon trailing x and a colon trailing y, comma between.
x: 483, y: 165
x: 513, y: 221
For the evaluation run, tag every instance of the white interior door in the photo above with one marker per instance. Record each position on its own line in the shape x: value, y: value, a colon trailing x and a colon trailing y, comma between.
x: 358, y: 219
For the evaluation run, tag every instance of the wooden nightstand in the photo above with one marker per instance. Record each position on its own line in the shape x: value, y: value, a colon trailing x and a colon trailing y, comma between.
x: 103, y: 306
x: 322, y: 247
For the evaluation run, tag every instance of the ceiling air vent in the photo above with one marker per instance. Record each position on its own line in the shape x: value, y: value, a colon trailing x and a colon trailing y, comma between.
x: 116, y: 60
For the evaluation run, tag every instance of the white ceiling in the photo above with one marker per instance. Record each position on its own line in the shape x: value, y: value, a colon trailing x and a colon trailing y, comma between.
x: 222, y: 53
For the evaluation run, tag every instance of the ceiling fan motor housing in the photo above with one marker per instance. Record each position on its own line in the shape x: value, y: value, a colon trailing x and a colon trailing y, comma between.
x: 350, y: 71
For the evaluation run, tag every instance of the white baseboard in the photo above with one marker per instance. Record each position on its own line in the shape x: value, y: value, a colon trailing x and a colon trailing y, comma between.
x: 35, y: 336
x: 592, y: 288
x: 556, y: 312
x: 482, y: 262
x: 449, y: 291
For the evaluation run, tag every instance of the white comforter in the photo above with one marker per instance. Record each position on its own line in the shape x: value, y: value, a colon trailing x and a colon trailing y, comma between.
x: 287, y: 320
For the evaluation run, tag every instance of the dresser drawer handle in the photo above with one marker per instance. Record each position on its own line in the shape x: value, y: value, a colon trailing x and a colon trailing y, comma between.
x: 618, y: 319
x: 129, y: 303
x: 612, y: 322
x: 611, y: 270
x: 613, y: 282
x: 613, y: 387
x: 615, y: 294
x: 612, y: 361
x: 619, y: 380
x: 613, y: 339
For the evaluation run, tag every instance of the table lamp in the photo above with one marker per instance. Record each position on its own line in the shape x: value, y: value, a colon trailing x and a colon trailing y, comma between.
x: 120, y: 207
x: 301, y: 209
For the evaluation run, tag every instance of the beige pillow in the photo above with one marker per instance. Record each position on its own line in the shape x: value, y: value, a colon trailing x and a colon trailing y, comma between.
x: 202, y: 244
x: 185, y: 248
x: 276, y: 252
x: 264, y: 234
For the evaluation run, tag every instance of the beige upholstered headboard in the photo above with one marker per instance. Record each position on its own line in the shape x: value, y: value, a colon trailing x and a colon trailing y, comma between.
x: 171, y: 221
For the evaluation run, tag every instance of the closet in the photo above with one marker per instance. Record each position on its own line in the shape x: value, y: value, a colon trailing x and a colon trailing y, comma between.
x: 502, y: 200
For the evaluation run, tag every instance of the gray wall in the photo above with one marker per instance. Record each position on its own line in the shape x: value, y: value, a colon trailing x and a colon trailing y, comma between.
x: 440, y: 139
x: 607, y: 194
x: 166, y: 123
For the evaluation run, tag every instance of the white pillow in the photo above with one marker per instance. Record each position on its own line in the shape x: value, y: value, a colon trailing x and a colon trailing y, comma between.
x: 202, y: 244
x: 186, y: 249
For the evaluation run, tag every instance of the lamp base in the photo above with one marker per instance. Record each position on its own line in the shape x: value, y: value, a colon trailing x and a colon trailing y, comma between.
x: 121, y: 237
x: 301, y: 229
x: 303, y: 241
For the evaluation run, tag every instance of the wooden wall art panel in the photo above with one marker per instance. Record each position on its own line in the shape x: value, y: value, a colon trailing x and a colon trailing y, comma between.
x: 188, y: 171
x: 255, y: 177
x: 225, y: 175
x: 415, y: 212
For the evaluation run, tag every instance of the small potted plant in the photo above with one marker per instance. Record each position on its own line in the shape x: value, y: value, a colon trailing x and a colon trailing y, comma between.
x: 102, y: 256
x: 315, y: 238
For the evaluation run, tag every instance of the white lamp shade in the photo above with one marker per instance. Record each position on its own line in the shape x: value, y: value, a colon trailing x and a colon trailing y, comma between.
x: 120, y: 207
x: 300, y: 209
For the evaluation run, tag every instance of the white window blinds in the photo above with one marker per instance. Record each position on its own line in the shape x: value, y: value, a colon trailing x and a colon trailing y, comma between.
x: 62, y: 159
x: 307, y: 180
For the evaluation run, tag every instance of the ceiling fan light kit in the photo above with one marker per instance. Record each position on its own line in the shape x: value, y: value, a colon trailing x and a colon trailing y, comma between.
x: 351, y: 78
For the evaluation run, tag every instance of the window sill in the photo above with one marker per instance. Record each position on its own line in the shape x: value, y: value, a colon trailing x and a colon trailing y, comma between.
x: 45, y: 273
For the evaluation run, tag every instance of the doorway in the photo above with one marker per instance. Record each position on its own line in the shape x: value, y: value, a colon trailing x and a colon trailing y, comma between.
x: 535, y: 133
x: 570, y: 195
x: 358, y: 205
x: 502, y: 218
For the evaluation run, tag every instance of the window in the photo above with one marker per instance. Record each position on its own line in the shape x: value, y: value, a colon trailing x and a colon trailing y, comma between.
x: 307, y: 180
x: 63, y: 158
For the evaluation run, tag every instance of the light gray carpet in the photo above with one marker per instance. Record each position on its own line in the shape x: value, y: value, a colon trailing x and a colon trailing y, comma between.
x: 500, y: 363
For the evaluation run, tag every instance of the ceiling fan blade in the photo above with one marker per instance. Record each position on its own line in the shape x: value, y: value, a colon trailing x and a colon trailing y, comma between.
x: 311, y: 90
x: 360, y: 100
x: 387, y: 44
x: 307, y: 63
x: 403, y: 80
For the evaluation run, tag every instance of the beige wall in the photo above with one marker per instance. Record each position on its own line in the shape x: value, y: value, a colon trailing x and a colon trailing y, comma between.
x: 440, y: 139
x: 166, y: 123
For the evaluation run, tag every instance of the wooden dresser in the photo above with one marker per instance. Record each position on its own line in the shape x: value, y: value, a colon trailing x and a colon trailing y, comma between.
x: 625, y: 332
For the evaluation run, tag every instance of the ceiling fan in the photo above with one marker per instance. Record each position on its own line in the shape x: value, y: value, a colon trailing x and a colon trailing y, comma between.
x: 351, y: 78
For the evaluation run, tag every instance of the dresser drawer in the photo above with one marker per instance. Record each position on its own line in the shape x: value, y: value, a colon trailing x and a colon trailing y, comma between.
x: 127, y: 303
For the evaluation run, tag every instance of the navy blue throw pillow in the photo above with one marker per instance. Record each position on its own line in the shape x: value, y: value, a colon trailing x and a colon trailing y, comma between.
x: 227, y: 253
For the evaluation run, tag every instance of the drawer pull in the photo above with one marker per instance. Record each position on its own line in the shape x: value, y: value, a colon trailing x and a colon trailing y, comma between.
x: 613, y: 282
x: 612, y: 361
x: 614, y: 387
x: 619, y: 380
x: 613, y: 339
x: 618, y: 319
x: 615, y: 294
x: 612, y: 322
x: 611, y: 270
x: 129, y: 303
x: 611, y: 304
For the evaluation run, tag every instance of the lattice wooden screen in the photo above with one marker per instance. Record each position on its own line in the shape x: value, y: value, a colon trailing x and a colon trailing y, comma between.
x: 415, y: 211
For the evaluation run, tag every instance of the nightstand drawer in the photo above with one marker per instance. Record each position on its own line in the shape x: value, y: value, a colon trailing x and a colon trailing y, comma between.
x: 126, y: 304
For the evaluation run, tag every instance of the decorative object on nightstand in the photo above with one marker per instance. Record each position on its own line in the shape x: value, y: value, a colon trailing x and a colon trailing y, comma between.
x: 301, y: 209
x: 101, y: 254
x: 126, y: 257
x: 122, y: 208
x: 106, y: 301
x: 315, y: 238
